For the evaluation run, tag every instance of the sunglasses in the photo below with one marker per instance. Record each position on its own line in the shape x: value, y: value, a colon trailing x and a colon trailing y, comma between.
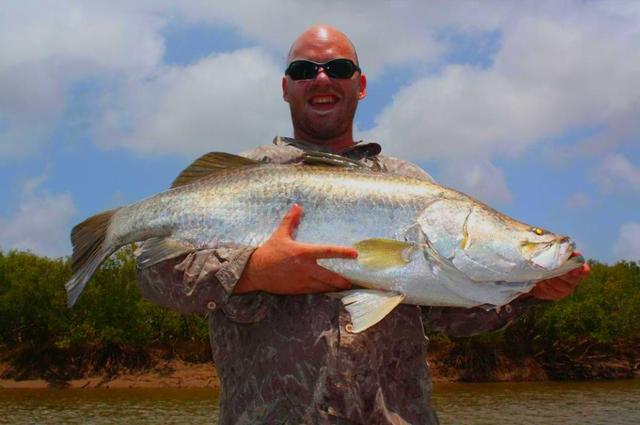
x: 307, y: 70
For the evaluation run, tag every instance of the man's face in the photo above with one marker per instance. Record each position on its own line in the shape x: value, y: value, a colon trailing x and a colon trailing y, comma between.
x: 323, y: 108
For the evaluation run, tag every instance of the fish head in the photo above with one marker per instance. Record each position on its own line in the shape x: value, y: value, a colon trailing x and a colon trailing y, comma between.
x: 489, y: 246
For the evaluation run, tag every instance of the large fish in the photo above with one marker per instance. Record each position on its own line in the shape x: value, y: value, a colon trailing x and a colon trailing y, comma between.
x: 418, y: 242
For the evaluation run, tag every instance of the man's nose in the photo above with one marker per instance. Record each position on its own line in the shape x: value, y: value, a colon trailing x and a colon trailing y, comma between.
x: 322, y: 77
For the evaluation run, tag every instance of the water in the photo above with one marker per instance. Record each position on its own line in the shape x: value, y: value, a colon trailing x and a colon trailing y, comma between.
x: 612, y: 403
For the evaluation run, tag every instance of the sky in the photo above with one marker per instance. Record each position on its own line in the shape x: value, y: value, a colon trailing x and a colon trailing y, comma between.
x: 532, y: 107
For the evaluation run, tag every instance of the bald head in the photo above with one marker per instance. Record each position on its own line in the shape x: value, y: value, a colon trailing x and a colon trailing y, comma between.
x: 322, y: 39
x: 323, y: 104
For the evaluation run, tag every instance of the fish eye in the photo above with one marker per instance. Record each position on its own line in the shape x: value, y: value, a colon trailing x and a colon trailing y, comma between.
x: 538, y: 231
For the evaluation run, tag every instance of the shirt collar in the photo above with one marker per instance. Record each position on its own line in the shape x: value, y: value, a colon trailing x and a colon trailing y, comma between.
x: 359, y: 151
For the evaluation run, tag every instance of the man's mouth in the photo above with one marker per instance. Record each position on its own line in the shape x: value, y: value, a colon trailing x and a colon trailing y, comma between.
x: 323, y: 101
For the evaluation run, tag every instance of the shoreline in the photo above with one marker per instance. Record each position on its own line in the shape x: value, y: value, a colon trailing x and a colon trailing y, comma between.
x: 181, y: 374
x: 169, y: 374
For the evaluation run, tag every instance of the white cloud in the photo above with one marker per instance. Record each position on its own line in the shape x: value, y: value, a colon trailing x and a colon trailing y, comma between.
x: 554, y: 72
x: 47, y: 46
x: 554, y: 69
x: 231, y: 101
x: 578, y: 200
x: 478, y: 178
x: 41, y: 224
x: 384, y: 33
x: 616, y: 172
x: 627, y: 246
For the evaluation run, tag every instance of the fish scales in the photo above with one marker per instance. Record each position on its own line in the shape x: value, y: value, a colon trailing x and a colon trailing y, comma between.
x: 426, y: 243
x: 245, y: 207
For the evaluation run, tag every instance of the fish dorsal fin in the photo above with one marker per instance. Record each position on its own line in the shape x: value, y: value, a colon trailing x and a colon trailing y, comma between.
x: 331, y: 160
x: 210, y: 163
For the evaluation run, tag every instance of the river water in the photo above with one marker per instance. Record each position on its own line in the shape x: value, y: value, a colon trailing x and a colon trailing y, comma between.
x: 566, y: 403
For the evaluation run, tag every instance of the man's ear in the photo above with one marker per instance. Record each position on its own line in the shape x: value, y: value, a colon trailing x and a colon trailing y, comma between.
x: 285, y: 87
x: 362, y: 93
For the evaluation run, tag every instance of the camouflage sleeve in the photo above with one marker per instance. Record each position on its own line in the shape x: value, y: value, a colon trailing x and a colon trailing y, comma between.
x: 202, y: 282
x: 461, y: 322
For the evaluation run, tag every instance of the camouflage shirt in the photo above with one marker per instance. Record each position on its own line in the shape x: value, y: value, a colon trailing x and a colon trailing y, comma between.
x: 289, y: 359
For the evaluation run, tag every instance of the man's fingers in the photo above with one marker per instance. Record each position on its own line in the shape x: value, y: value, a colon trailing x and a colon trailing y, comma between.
x: 290, y: 222
x: 329, y: 279
x: 331, y: 251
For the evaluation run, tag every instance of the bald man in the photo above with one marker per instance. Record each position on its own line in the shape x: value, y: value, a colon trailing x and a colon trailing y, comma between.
x: 280, y: 346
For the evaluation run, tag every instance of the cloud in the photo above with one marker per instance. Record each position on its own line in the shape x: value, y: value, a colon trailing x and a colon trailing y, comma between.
x: 553, y: 73
x: 46, y: 47
x: 578, y: 200
x: 41, y: 225
x: 230, y: 101
x: 391, y: 33
x: 478, y: 178
x: 627, y: 246
x: 616, y: 172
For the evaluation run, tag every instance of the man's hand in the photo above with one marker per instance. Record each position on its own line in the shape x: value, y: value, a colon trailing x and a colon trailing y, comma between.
x: 562, y: 286
x: 284, y: 266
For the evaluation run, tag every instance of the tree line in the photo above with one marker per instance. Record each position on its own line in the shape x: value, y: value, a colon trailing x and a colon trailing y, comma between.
x: 112, y: 326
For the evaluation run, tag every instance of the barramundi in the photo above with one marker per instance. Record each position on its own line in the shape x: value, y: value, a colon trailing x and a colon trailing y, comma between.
x: 418, y: 242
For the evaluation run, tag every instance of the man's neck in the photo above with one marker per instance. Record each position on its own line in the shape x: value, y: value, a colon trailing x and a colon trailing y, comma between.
x: 334, y: 145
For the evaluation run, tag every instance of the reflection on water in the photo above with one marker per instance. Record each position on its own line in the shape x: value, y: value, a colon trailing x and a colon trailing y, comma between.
x: 109, y: 406
x: 569, y: 403
x: 614, y: 403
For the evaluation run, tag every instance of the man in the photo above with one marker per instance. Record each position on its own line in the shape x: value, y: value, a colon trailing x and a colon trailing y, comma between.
x: 281, y: 348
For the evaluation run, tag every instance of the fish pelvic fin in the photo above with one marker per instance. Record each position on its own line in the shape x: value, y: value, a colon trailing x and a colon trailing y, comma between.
x: 380, y: 254
x: 156, y: 250
x: 208, y: 164
x: 368, y: 306
x: 89, y: 251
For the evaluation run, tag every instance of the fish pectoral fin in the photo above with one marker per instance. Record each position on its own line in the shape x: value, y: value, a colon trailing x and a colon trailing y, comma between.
x: 210, y: 163
x: 368, y: 306
x: 156, y: 250
x: 380, y: 254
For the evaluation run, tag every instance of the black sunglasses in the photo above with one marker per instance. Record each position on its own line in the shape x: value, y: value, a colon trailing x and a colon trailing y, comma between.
x: 307, y: 70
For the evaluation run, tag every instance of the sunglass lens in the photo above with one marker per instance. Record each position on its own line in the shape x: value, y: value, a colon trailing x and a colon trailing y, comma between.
x: 302, y: 70
x: 340, y: 68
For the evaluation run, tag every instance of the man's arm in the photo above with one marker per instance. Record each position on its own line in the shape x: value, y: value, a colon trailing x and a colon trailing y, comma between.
x: 461, y: 322
x: 238, y: 280
x: 287, y: 267
x: 235, y: 279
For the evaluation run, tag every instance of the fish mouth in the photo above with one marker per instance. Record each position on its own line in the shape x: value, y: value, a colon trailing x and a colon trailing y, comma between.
x: 553, y: 254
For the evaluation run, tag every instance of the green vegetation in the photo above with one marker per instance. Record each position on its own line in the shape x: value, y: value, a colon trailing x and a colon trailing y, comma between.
x: 112, y: 327
x: 593, y: 334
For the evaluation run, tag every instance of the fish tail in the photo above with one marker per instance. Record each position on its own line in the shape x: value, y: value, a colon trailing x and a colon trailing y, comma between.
x: 89, y: 251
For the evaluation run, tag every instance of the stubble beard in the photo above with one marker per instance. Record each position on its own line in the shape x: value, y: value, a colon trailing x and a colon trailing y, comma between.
x: 324, y: 129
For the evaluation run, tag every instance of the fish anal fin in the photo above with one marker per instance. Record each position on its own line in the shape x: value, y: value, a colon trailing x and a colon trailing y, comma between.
x: 380, y: 254
x: 156, y: 250
x: 210, y: 163
x: 368, y: 306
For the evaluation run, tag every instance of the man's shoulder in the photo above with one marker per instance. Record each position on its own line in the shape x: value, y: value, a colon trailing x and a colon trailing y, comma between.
x: 281, y: 154
x: 404, y: 168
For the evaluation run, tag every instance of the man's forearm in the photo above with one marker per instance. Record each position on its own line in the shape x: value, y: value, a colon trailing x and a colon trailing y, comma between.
x: 463, y: 322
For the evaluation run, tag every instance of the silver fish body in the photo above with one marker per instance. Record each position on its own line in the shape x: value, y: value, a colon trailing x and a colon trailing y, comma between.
x: 452, y: 249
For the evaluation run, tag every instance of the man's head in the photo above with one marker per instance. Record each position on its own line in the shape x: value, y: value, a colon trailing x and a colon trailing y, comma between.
x: 323, y: 107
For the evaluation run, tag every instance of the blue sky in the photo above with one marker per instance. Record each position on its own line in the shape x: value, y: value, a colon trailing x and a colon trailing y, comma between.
x: 532, y: 109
